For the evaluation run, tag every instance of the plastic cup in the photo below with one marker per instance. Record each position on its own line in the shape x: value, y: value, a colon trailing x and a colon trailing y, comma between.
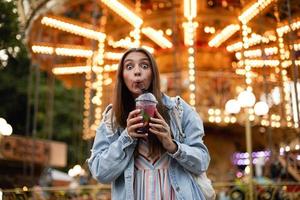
x: 147, y: 104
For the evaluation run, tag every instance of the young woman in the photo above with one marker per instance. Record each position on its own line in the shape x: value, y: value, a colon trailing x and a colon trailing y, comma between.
x: 159, y: 164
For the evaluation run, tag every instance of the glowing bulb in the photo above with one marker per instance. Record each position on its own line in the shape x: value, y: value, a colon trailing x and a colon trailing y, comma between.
x: 232, y: 106
x: 261, y: 108
x: 246, y: 99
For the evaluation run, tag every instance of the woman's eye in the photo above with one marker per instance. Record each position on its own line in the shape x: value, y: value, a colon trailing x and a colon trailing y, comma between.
x: 144, y: 65
x: 129, y: 66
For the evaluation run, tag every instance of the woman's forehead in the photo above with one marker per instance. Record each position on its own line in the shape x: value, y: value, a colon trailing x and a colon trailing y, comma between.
x: 136, y: 56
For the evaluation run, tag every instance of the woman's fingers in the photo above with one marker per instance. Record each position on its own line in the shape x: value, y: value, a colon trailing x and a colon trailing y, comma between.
x: 158, y: 121
x: 157, y: 126
x: 135, y: 126
x: 132, y: 131
x: 133, y: 113
x: 158, y: 115
x: 156, y: 132
x: 139, y: 135
x: 165, y: 138
x: 134, y: 120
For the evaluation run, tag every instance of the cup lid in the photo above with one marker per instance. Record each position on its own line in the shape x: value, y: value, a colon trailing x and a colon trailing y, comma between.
x: 146, y: 97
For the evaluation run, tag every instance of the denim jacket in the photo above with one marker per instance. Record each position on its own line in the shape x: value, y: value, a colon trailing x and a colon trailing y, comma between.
x: 112, y: 158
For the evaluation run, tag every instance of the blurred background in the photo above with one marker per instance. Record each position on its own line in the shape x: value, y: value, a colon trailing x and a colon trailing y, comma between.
x: 235, y: 61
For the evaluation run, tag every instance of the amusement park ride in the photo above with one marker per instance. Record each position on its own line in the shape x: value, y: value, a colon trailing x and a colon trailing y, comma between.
x: 245, y: 46
x: 207, y: 51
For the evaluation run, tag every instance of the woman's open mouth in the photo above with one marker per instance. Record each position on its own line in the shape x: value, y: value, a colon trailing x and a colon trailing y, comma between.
x: 139, y: 85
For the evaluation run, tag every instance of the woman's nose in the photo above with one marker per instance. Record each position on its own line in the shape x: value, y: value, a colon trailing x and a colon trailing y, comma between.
x: 137, y: 71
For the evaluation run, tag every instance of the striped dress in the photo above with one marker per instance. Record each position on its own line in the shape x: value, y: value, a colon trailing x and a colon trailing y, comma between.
x: 151, y: 181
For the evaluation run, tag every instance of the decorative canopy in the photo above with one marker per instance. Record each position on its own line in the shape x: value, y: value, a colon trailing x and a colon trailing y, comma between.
x: 207, y: 51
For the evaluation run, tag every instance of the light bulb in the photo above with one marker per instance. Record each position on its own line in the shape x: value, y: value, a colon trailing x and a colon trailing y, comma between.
x: 232, y: 106
x: 261, y: 108
x: 246, y: 99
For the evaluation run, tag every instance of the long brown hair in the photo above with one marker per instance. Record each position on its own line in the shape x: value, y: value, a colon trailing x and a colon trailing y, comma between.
x: 124, y: 102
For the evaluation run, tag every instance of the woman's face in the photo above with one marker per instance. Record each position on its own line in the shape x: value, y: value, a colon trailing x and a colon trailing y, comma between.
x: 137, y: 72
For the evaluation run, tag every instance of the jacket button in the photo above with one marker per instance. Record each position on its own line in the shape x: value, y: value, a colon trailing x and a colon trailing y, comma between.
x: 177, y: 189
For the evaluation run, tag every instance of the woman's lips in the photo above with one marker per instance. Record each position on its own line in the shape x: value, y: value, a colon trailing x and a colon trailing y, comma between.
x: 138, y: 85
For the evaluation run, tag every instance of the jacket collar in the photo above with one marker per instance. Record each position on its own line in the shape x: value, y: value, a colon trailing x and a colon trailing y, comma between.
x: 167, y: 101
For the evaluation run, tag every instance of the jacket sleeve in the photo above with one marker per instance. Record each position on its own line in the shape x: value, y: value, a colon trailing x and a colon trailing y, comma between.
x: 110, y: 154
x: 192, y: 153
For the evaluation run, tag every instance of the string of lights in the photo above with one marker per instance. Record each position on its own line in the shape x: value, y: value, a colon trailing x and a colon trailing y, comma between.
x: 190, y: 12
x: 123, y: 11
x: 87, y: 102
x: 222, y: 36
x: 72, y: 26
x: 157, y: 37
x: 253, y: 10
x: 285, y: 79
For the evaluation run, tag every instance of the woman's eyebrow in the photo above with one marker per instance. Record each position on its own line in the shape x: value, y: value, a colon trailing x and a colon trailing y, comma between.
x: 144, y: 59
x: 128, y: 60
x: 131, y: 60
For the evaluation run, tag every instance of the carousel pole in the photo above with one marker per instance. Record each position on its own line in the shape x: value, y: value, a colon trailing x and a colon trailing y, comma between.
x: 34, y: 127
x: 291, y: 39
x: 51, y: 88
x: 36, y: 76
x: 28, y: 112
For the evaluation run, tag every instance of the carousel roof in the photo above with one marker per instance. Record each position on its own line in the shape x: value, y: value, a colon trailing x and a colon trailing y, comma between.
x: 216, y: 47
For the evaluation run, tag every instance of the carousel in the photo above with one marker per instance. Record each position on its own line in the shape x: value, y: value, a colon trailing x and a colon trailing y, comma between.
x: 236, y: 62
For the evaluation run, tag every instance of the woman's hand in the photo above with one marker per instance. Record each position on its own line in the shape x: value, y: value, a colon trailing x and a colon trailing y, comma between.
x: 161, y: 129
x: 134, y: 121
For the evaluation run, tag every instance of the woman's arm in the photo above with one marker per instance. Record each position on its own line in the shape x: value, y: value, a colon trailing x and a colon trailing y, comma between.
x: 110, y: 154
x: 192, y: 154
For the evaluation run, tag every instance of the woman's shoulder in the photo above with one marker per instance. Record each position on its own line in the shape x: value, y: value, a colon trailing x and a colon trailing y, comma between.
x: 176, y: 101
x: 107, y: 117
x: 107, y: 112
